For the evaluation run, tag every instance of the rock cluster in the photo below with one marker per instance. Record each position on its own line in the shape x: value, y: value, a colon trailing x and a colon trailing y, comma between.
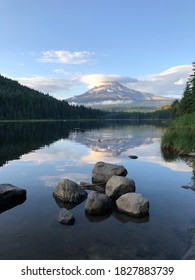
x: 110, y: 190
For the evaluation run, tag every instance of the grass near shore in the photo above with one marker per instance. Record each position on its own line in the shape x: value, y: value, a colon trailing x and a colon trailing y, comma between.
x: 180, y: 137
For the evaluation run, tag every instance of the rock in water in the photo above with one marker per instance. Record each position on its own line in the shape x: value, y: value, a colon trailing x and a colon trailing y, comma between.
x: 102, y: 171
x: 65, y: 217
x: 118, y: 185
x: 134, y: 204
x: 98, y: 204
x: 133, y: 157
x: 69, y: 191
x: 11, y: 196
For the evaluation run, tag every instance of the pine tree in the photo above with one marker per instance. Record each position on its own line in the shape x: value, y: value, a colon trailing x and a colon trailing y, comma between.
x: 192, y: 86
x: 187, y: 103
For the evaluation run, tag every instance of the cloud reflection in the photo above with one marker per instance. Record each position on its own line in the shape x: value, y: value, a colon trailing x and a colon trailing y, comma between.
x: 52, y: 181
x: 112, y: 145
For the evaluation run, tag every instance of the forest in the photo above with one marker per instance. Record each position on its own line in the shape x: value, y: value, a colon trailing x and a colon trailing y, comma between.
x: 18, y: 102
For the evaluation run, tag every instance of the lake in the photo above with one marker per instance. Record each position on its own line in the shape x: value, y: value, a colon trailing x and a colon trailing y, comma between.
x: 37, y: 155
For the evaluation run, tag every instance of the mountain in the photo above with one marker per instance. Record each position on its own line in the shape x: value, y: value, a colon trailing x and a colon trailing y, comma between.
x: 115, y: 93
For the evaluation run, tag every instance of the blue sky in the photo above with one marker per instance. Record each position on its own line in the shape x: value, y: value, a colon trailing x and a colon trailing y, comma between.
x: 65, y: 47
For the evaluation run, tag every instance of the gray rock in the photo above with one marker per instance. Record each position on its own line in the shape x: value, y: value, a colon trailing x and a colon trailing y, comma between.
x: 119, y: 185
x: 65, y: 217
x: 134, y: 204
x: 69, y: 191
x: 98, y: 204
x: 103, y: 171
x: 11, y: 196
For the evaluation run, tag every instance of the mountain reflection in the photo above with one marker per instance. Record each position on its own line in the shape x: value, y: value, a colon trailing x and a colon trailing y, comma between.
x: 114, y: 142
x: 114, y: 137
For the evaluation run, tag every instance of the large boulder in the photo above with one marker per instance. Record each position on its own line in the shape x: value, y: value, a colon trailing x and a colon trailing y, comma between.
x: 134, y: 204
x: 119, y: 185
x: 98, y: 204
x: 69, y: 191
x: 11, y: 196
x: 103, y: 171
x: 65, y: 217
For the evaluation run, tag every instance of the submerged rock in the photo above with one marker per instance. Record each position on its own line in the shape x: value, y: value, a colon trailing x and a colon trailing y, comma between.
x: 10, y: 196
x: 65, y: 217
x: 118, y: 185
x: 69, y: 191
x: 103, y: 171
x: 134, y: 204
x: 98, y: 204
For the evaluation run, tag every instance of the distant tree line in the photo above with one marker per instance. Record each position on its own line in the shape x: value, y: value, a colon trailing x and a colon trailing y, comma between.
x: 162, y: 113
x: 18, y: 102
x: 187, y: 104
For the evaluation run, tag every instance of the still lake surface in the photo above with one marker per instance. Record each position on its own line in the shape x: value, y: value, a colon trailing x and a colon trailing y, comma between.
x: 37, y: 155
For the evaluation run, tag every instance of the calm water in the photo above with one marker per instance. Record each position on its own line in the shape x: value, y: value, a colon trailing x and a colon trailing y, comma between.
x: 37, y: 156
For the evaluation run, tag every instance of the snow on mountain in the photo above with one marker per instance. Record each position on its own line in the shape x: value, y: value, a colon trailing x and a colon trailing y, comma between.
x: 112, y: 92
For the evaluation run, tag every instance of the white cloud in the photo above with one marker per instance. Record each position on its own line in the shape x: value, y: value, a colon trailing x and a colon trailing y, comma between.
x: 170, y: 82
x: 67, y: 57
x: 180, y: 82
x: 48, y: 84
x: 98, y: 79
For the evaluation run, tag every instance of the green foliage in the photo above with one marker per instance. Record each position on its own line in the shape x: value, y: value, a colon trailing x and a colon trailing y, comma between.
x: 187, y: 104
x: 186, y: 121
x: 180, y: 138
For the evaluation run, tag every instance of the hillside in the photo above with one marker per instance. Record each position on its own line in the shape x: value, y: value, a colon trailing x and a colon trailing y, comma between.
x: 19, y: 102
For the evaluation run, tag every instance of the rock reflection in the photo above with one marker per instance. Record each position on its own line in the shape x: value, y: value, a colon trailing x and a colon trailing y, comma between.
x: 66, y: 205
x: 12, y: 204
x: 97, y: 219
x: 124, y: 218
x: 119, y: 216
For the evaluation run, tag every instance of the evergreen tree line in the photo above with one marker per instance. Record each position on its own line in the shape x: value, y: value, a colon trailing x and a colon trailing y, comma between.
x: 158, y: 114
x: 187, y: 104
x: 18, y: 102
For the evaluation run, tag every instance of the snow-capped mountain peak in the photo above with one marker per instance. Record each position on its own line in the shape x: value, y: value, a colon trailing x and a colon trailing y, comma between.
x: 112, y: 92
